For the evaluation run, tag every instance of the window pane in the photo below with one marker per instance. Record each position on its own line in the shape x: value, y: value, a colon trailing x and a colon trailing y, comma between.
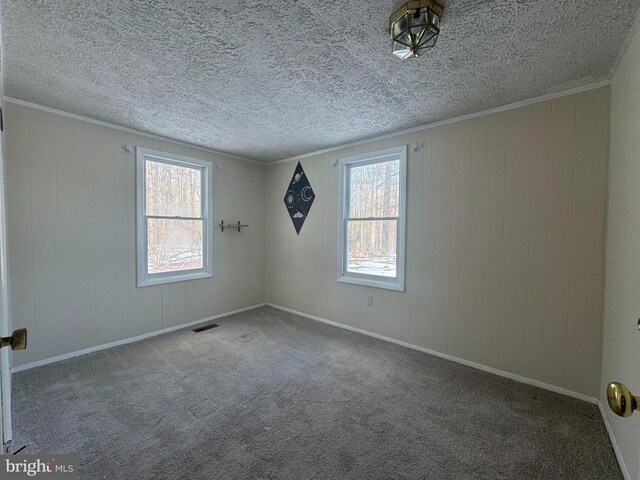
x: 371, y: 247
x: 172, y: 190
x: 174, y: 245
x: 375, y: 190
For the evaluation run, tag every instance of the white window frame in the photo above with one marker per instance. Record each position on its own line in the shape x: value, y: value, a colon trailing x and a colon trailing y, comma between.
x: 144, y: 278
x: 346, y: 164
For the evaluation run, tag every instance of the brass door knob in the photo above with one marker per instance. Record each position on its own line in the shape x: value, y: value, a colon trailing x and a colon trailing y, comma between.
x: 17, y: 340
x: 621, y: 400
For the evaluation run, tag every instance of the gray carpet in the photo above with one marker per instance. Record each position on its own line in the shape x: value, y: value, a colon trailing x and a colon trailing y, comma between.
x: 269, y: 395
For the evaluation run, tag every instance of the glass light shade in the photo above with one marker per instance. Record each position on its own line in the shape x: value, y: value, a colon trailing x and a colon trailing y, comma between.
x: 415, y: 27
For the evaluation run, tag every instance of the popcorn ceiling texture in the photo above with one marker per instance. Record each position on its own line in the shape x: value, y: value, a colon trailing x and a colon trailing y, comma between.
x: 274, y: 79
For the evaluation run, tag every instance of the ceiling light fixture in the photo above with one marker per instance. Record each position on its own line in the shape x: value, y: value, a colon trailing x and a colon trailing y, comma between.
x: 415, y: 27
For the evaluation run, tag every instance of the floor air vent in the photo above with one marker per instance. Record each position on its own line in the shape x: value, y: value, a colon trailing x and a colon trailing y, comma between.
x: 204, y: 328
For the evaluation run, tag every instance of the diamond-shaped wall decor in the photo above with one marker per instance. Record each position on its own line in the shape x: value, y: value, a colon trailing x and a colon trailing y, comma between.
x: 299, y: 198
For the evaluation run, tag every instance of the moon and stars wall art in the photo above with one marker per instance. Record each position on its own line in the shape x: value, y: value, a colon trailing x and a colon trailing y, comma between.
x: 299, y: 198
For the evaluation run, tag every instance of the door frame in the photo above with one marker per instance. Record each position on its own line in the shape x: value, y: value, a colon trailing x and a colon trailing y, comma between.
x: 5, y: 310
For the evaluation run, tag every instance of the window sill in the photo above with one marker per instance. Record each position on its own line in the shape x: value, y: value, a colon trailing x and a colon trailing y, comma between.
x: 367, y: 282
x: 180, y: 277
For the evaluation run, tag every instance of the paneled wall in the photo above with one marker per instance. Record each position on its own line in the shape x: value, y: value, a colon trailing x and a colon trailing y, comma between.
x: 505, y: 242
x: 71, y: 224
x: 621, y: 339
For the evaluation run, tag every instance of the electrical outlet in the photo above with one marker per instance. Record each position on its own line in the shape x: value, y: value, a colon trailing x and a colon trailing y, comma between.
x: 370, y: 301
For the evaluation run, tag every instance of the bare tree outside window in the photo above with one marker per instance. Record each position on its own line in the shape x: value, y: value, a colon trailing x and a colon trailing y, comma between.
x: 174, y: 217
x: 374, y: 203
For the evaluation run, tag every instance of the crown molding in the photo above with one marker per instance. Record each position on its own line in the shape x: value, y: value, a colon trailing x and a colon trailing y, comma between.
x: 62, y: 113
x: 510, y: 106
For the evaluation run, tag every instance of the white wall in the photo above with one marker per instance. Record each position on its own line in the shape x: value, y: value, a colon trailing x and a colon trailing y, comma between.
x: 621, y: 339
x: 71, y: 222
x: 505, y: 242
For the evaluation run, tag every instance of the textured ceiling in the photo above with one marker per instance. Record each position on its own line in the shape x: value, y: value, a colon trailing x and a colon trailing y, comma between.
x: 272, y: 79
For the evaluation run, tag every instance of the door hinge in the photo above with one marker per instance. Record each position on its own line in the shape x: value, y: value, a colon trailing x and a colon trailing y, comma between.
x: 17, y: 340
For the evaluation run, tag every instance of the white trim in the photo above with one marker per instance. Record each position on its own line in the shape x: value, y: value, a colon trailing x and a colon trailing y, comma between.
x: 427, y: 126
x: 170, y: 277
x: 6, y: 427
x: 62, y: 113
x: 614, y: 442
x: 372, y: 281
x: 375, y: 281
x: 462, y: 361
x: 501, y: 373
x: 509, y: 106
x: 144, y: 278
x: 125, y: 341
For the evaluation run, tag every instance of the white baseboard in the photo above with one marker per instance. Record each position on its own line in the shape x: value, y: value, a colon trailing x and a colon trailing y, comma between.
x: 495, y: 371
x: 137, y: 338
x: 484, y: 368
x: 462, y: 361
x: 614, y: 442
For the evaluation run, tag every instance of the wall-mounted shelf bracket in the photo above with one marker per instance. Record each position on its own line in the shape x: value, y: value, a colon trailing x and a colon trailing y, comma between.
x: 238, y: 225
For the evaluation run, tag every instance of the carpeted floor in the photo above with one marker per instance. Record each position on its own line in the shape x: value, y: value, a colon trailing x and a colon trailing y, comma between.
x: 269, y: 395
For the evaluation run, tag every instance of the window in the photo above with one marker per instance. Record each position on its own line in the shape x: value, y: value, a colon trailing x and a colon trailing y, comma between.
x: 173, y: 218
x: 372, y: 219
